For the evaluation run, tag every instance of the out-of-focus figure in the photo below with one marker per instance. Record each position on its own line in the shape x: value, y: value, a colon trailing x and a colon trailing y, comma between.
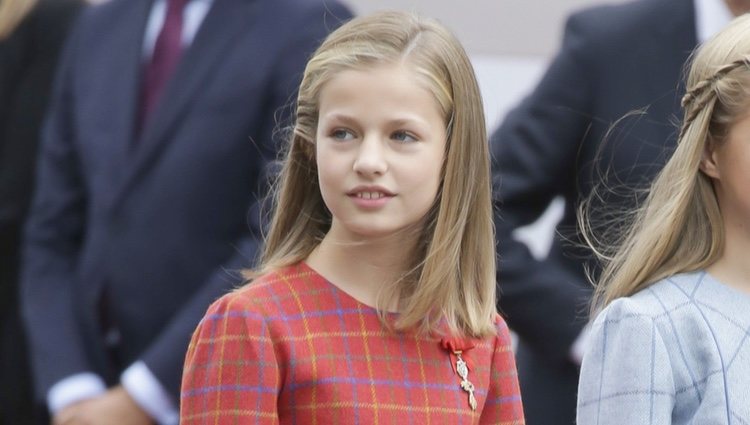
x: 31, y: 36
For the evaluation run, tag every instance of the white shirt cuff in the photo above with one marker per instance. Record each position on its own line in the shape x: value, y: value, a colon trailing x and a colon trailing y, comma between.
x: 74, y: 388
x: 149, y: 394
x: 580, y: 345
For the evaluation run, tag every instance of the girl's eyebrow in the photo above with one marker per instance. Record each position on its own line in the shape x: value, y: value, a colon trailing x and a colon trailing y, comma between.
x: 339, y: 116
x: 408, y: 121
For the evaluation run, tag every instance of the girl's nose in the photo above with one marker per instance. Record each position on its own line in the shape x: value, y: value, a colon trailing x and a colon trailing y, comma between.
x: 371, y: 159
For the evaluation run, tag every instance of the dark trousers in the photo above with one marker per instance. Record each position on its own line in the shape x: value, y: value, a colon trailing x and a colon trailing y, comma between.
x: 548, y: 389
x: 17, y: 405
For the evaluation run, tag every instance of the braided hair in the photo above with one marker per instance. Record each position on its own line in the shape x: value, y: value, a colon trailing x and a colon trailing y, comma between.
x: 703, y: 92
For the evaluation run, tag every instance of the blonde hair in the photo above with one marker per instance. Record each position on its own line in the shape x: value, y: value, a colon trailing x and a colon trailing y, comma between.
x: 451, y: 274
x: 12, y: 12
x: 679, y: 227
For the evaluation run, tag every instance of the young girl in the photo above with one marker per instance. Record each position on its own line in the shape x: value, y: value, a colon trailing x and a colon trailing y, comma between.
x: 375, y: 298
x: 672, y: 344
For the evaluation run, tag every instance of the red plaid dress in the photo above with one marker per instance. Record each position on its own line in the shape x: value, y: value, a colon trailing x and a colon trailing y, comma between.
x: 292, y: 348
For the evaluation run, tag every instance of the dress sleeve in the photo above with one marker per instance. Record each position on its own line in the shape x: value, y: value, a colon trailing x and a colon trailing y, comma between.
x: 503, y: 404
x: 626, y: 375
x: 231, y: 373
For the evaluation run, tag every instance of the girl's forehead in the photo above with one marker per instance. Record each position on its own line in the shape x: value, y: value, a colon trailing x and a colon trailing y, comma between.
x: 384, y: 68
x: 396, y: 79
x: 395, y: 89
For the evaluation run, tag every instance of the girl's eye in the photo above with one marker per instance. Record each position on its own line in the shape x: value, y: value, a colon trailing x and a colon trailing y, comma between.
x: 403, y: 136
x: 342, y: 134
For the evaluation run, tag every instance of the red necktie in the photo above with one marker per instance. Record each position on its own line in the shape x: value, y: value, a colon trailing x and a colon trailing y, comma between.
x: 167, y: 51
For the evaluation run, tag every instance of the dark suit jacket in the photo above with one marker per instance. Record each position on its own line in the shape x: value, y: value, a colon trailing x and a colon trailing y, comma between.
x: 142, y: 233
x: 613, y: 60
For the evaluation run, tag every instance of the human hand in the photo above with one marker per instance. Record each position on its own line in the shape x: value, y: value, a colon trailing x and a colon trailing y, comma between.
x: 115, y: 407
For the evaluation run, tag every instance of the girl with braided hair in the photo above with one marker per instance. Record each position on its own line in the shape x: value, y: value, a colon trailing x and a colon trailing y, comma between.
x: 671, y: 338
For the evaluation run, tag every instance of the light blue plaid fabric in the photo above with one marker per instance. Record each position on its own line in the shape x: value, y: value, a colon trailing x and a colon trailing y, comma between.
x: 677, y: 352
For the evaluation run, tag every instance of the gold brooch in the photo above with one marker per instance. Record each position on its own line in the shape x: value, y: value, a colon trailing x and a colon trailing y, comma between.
x: 463, y: 371
x: 455, y: 347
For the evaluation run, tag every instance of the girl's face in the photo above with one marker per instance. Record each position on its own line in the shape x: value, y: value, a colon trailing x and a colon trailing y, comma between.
x: 728, y: 163
x: 380, y: 146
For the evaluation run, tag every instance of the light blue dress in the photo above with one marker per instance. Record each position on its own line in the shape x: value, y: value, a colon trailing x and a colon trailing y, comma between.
x: 677, y: 352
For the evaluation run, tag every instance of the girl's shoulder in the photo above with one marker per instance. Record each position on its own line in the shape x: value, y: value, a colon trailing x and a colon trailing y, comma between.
x: 657, y: 300
x: 676, y: 288
x: 502, y: 337
x: 272, y: 293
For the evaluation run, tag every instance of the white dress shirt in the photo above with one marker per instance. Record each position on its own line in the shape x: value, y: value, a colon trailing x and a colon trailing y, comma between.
x: 710, y: 17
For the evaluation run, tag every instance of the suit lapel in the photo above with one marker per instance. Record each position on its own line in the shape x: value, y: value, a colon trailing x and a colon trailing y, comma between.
x: 226, y: 20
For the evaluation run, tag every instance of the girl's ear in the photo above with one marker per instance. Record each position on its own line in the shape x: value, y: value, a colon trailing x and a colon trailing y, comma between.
x: 709, y: 165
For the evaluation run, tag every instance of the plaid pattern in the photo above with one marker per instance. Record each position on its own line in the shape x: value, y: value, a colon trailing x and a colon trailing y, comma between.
x: 293, y: 349
x: 675, y: 353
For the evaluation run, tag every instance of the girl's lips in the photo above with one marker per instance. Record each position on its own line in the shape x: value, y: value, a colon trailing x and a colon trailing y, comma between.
x: 370, y: 200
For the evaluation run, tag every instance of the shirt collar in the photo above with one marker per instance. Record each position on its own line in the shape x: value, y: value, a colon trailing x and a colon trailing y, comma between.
x: 710, y: 17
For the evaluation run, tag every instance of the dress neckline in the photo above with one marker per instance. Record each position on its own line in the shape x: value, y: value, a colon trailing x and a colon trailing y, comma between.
x: 327, y: 284
x: 320, y: 281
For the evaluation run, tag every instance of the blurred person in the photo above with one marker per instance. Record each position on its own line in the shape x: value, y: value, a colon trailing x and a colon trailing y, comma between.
x: 155, y: 148
x: 614, y: 59
x: 31, y: 36
x: 670, y: 341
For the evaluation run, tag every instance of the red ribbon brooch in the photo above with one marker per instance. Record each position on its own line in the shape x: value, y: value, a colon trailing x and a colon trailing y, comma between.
x: 457, y: 347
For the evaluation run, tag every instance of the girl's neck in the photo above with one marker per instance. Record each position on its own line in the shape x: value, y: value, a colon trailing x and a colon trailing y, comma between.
x: 733, y: 268
x: 361, y: 267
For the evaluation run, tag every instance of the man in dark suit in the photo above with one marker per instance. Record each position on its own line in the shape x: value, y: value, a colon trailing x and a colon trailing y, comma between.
x: 156, y: 146
x: 614, y: 60
x: 29, y: 50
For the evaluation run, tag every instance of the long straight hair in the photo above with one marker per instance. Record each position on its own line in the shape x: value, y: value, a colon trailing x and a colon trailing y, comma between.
x: 12, y: 12
x: 451, y: 275
x: 679, y: 227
